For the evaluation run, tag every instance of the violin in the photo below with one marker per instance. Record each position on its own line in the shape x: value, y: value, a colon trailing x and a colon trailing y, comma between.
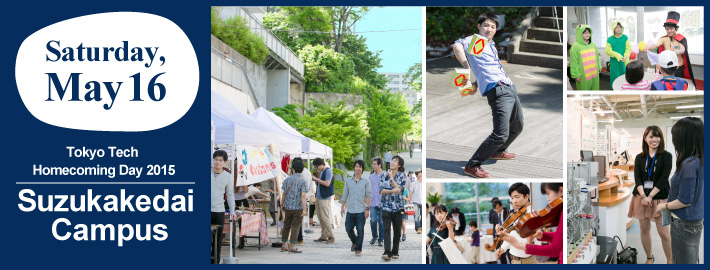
x: 545, y: 218
x: 443, y: 223
x: 508, y: 227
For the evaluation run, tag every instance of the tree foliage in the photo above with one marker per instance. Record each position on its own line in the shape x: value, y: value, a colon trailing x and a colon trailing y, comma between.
x: 335, y: 125
x: 309, y: 30
x: 234, y: 33
x: 444, y: 25
x: 413, y: 78
x: 365, y: 61
x: 387, y: 119
x: 293, y: 25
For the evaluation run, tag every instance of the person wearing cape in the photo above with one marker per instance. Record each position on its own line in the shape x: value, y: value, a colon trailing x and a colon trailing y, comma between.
x: 677, y: 43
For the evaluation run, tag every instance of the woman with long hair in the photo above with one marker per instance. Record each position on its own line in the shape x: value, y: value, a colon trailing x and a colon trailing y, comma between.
x: 686, y: 198
x: 441, y: 215
x: 652, y: 168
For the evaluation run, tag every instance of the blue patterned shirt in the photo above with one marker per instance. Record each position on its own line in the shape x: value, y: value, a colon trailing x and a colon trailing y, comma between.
x: 293, y: 198
x: 392, y: 202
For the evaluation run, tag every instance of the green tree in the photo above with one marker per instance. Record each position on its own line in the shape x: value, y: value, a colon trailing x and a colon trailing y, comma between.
x: 413, y: 78
x: 366, y: 62
x: 300, y: 26
x: 388, y: 119
x: 288, y: 113
x: 331, y: 28
x: 234, y: 32
x: 335, y: 125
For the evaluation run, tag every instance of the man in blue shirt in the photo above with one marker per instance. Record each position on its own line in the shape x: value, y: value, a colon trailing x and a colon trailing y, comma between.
x: 500, y: 91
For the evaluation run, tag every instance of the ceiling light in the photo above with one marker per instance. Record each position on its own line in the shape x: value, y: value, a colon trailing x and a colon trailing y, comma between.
x: 690, y: 106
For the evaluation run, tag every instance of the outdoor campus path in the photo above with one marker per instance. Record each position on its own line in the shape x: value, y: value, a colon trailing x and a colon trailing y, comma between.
x: 456, y: 125
x: 410, y: 251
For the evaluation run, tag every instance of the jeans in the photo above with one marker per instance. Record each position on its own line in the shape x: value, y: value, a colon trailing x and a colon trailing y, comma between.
x: 507, y: 123
x: 417, y: 216
x: 685, y: 240
x: 355, y: 221
x: 375, y: 220
x: 392, y: 221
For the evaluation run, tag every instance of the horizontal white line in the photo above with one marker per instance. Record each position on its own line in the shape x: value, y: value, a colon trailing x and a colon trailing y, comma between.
x: 105, y: 183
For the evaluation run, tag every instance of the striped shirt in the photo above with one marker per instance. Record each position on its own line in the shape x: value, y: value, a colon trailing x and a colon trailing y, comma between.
x: 642, y: 85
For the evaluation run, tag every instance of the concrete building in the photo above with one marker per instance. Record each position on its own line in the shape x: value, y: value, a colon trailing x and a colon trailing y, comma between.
x: 251, y: 85
x: 397, y: 84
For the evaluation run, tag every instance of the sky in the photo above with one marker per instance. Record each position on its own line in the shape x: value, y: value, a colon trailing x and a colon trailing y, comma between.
x: 400, y: 50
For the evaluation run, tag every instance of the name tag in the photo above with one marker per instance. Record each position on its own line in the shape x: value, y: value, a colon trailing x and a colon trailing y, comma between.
x: 648, y: 184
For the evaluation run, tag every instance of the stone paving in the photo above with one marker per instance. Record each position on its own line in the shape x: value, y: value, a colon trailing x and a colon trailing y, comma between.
x: 336, y: 253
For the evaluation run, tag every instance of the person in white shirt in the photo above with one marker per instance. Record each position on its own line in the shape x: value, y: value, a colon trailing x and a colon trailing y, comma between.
x: 520, y: 197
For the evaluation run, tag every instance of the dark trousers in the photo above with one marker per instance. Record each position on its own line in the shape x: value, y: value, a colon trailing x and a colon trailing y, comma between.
x: 355, y: 221
x: 392, y: 221
x: 311, y: 210
x: 292, y: 224
x: 217, y: 219
x: 507, y: 123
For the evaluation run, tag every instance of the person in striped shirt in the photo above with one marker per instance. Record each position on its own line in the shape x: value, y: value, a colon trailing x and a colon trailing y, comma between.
x: 634, y: 77
x: 584, y: 60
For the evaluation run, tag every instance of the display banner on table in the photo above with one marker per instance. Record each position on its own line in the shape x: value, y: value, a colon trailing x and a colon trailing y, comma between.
x: 254, y: 165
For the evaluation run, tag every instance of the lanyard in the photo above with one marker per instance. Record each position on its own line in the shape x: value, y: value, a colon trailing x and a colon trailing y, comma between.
x: 650, y: 169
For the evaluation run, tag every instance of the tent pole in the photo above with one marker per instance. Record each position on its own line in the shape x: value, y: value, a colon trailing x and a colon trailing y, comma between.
x: 308, y: 225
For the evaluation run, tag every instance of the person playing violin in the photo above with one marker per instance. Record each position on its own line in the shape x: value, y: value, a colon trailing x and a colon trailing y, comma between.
x: 444, y: 228
x: 555, y: 248
x: 520, y: 197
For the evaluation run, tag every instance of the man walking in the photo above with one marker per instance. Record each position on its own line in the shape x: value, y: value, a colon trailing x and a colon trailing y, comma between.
x: 498, y: 89
x: 324, y: 193
x: 356, y: 195
x: 377, y: 175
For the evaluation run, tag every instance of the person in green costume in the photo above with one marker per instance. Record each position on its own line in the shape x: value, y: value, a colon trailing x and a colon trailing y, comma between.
x: 441, y: 215
x: 618, y: 48
x: 584, y: 60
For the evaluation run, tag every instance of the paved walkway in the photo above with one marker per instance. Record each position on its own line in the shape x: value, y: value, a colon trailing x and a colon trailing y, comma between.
x: 410, y: 251
x: 456, y: 126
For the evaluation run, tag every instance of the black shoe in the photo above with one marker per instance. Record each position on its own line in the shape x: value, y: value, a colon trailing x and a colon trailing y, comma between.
x: 273, y: 224
x: 372, y: 242
x: 404, y: 237
x: 379, y: 243
x: 352, y: 248
x: 386, y: 256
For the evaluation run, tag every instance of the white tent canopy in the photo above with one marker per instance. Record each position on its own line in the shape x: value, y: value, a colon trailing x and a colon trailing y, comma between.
x: 235, y: 127
x: 308, y: 146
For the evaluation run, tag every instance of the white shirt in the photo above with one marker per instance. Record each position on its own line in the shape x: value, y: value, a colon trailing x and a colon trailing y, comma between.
x: 520, y: 253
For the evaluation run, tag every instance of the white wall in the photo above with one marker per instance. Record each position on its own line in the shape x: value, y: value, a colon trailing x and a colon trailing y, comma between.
x: 238, y: 98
